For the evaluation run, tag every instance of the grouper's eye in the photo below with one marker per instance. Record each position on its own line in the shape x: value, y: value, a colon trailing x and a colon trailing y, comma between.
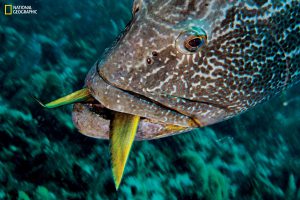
x: 191, y: 41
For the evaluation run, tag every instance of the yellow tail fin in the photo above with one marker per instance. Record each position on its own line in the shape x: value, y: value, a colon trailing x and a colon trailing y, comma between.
x: 123, y: 130
x: 78, y: 96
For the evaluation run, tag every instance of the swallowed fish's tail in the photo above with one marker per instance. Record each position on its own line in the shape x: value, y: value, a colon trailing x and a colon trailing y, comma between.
x: 82, y: 95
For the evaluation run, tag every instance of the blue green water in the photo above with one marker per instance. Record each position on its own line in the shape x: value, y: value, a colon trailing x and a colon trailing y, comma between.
x: 42, y: 155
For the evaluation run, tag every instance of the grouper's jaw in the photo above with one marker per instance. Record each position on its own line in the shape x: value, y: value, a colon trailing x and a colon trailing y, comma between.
x: 121, y: 128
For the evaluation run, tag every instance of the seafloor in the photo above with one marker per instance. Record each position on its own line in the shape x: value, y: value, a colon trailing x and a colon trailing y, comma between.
x: 42, y: 156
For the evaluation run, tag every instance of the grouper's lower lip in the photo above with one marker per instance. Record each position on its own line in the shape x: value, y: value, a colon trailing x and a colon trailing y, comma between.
x: 94, y: 121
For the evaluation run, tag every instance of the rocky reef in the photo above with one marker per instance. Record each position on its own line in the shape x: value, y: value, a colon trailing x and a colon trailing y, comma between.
x: 42, y: 156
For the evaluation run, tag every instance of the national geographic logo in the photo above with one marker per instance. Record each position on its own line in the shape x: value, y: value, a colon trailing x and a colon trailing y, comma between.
x: 19, y: 10
x: 8, y: 9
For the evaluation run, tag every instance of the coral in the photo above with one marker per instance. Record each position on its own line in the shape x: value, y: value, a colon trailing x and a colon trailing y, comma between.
x: 23, y: 196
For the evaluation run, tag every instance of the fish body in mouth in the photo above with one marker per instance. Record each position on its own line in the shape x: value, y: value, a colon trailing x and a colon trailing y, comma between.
x: 186, y: 64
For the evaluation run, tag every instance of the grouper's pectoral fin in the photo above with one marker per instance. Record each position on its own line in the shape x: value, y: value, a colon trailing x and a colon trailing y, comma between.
x: 123, y: 130
x: 78, y: 96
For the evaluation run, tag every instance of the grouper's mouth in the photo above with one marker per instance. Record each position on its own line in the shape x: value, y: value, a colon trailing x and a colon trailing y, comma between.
x: 94, y: 117
x: 95, y: 120
x: 107, y: 112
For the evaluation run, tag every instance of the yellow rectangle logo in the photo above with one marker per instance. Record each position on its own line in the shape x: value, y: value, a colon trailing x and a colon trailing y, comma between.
x: 8, y: 10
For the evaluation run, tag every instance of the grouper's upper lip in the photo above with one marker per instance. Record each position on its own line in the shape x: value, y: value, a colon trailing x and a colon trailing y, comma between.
x: 173, y: 103
x: 117, y: 99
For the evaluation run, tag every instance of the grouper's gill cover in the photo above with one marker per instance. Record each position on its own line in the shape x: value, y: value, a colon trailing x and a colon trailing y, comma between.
x: 251, y: 53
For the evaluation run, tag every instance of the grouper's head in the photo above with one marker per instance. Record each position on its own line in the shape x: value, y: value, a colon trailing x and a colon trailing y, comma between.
x: 149, y: 73
x: 189, y: 63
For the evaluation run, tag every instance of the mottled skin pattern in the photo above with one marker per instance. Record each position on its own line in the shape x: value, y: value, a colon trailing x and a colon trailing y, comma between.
x: 251, y: 54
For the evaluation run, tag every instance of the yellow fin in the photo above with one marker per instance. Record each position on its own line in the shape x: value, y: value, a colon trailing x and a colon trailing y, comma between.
x: 123, y: 130
x: 78, y: 96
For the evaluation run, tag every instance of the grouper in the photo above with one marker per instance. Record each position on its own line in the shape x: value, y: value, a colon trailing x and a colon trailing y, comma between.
x: 184, y: 64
